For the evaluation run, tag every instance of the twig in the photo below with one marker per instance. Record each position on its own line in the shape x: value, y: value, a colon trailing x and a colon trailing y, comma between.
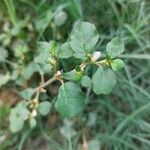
x: 45, y: 84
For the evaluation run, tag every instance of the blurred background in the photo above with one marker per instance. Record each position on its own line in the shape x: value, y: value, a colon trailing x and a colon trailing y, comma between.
x: 119, y: 121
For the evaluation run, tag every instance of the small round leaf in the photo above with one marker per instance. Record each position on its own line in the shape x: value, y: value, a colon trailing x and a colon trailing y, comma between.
x: 44, y: 108
x: 103, y: 80
x: 86, y: 81
x: 33, y: 122
x: 70, y: 101
x: 117, y: 64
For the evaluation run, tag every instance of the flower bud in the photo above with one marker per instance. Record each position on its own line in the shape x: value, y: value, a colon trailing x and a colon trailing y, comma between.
x: 96, y: 56
x: 33, y: 113
x: 58, y: 74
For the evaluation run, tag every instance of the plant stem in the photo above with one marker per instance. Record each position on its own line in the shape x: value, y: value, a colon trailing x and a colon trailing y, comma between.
x: 70, y: 144
x: 24, y: 137
x: 45, y: 84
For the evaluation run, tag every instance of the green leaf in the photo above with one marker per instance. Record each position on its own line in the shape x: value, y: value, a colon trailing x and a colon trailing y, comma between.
x: 20, y: 48
x: 80, y: 55
x: 83, y: 38
x: 45, y: 68
x: 20, y: 80
x: 4, y: 78
x: 43, y: 53
x: 16, y: 124
x: 65, y: 51
x: 43, y: 57
x: 72, y: 75
x: 60, y: 18
x: 30, y: 70
x: 44, y: 108
x: 17, y: 117
x: 70, y: 101
x: 115, y: 47
x: 15, y: 74
x: 27, y: 94
x: 103, y: 80
x: 86, y: 81
x: 3, y: 54
x: 42, y: 22
x: 22, y: 111
x: 33, y: 122
x: 117, y: 64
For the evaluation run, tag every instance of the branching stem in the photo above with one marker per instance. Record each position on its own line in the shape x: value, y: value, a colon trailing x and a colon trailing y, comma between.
x: 51, y: 80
